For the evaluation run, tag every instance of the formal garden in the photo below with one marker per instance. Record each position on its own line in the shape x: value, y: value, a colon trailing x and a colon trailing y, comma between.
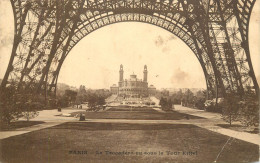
x: 122, y: 133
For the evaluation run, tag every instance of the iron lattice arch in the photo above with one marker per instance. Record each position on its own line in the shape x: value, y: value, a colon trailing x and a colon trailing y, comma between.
x: 215, y: 30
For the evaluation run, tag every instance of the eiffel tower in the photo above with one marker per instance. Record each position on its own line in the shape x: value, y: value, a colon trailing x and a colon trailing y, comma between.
x: 215, y: 30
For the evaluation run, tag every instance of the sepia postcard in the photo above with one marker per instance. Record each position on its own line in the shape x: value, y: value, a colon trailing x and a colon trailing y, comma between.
x: 124, y: 81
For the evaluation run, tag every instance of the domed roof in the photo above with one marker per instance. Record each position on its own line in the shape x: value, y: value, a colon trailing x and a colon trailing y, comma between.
x: 133, y: 76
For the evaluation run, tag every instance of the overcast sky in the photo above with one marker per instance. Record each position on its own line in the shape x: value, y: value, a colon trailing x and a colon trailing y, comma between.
x: 95, y: 60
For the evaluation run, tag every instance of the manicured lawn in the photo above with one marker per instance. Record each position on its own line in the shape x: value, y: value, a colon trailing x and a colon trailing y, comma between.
x: 135, y: 114
x: 145, y: 109
x: 54, y: 144
x: 18, y: 124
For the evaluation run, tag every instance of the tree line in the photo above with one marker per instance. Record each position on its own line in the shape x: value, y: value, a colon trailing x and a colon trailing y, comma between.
x: 233, y: 107
x: 94, y: 98
x: 186, y: 98
x: 15, y: 105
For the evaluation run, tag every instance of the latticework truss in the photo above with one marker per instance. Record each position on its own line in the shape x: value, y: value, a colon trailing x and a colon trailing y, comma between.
x: 215, y: 30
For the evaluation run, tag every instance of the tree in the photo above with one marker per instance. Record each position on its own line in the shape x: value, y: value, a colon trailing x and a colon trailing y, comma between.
x: 82, y: 90
x: 230, y: 108
x: 101, y: 100
x: 162, y: 102
x: 63, y: 101
x: 9, y: 110
x: 165, y: 103
x: 14, y: 105
x: 249, y: 110
x: 92, y: 101
x: 188, y: 97
x: 169, y: 103
x: 81, y: 95
x: 71, y: 96
x: 30, y: 106
x: 95, y: 101
x: 177, y: 97
x: 200, y: 98
x: 165, y: 93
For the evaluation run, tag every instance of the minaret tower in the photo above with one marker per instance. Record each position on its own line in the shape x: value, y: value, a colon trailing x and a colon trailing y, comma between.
x: 121, y: 76
x: 145, y: 73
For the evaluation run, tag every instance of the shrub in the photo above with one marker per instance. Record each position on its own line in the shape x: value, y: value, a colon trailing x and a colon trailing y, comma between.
x: 9, y: 110
x: 30, y: 110
x: 14, y: 105
x: 249, y: 111
x: 230, y: 108
x: 166, y: 104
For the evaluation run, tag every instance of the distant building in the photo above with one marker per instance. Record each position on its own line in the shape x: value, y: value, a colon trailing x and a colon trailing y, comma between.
x: 132, y: 87
x: 114, y: 89
x: 151, y: 90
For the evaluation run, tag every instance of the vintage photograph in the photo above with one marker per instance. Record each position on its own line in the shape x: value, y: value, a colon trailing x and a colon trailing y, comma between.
x: 129, y: 81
